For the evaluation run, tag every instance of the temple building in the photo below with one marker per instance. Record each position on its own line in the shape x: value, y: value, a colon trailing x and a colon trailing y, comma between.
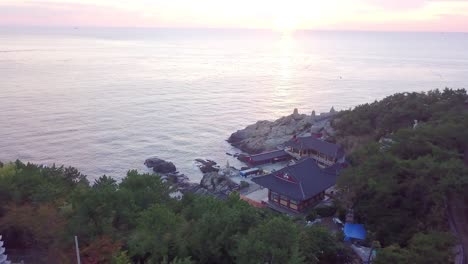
x: 298, y: 186
x: 268, y: 157
x: 323, y: 152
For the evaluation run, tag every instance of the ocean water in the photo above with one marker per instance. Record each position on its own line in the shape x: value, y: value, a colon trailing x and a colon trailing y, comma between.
x: 104, y: 100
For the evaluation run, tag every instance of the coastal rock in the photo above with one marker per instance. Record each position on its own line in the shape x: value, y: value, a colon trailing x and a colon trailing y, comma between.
x: 217, y: 184
x: 160, y: 166
x: 207, y: 166
x: 267, y: 135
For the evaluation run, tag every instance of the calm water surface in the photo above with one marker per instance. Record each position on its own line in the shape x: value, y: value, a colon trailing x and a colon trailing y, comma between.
x: 104, y: 100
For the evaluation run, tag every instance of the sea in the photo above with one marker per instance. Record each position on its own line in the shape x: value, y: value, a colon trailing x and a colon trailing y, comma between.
x: 105, y: 99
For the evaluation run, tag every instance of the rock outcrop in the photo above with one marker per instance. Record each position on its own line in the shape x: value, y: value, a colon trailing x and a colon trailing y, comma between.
x: 215, y: 184
x: 267, y: 135
x: 207, y: 166
x: 160, y: 166
x: 212, y: 183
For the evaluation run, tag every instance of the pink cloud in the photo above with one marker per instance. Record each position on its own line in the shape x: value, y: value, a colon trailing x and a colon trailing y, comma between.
x: 57, y: 14
x: 444, y: 23
x: 75, y: 14
x: 398, y: 4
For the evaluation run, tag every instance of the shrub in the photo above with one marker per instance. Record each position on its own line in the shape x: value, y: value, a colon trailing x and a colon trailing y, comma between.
x: 311, y: 216
x: 244, y: 184
x: 325, y: 211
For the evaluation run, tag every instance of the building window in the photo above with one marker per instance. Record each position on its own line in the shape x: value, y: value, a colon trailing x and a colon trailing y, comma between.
x: 293, y: 202
x: 274, y: 196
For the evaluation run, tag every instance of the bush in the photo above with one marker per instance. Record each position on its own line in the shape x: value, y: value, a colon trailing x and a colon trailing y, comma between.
x: 325, y: 211
x: 311, y: 216
x: 341, y: 214
x: 244, y: 184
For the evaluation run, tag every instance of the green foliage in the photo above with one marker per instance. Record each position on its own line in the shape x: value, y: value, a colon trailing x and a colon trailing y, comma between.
x: 29, y: 183
x: 275, y: 241
x: 210, y: 236
x: 398, y: 188
x: 325, y: 211
x: 433, y: 247
x: 318, y: 245
x: 393, y: 254
x: 177, y: 260
x: 145, y: 189
x: 136, y: 221
x: 399, y: 111
x: 244, y: 184
x: 155, y: 234
x: 121, y: 258
x: 312, y: 215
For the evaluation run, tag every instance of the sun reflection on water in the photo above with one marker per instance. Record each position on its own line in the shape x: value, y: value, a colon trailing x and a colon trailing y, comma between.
x: 285, y: 73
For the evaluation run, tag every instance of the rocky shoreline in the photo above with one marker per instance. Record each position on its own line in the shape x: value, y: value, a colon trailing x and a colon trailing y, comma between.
x: 256, y: 138
x: 267, y: 135
x: 215, y: 181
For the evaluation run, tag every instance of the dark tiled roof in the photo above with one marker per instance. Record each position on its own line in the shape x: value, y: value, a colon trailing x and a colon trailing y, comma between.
x: 311, y: 142
x: 269, y: 155
x: 307, y: 180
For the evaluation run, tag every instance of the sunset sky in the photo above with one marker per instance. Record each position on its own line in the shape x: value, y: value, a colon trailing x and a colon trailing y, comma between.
x: 380, y: 15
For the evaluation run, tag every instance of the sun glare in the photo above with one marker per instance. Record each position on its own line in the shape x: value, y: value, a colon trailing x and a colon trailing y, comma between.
x: 286, y: 23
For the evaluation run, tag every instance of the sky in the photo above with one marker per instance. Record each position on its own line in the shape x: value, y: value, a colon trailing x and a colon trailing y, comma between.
x: 281, y: 15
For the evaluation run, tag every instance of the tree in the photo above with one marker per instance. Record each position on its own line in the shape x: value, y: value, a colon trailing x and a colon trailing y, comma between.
x: 145, y: 189
x: 432, y: 247
x: 212, y: 226
x: 154, y: 237
x: 121, y: 258
x: 100, y: 250
x: 30, y: 227
x: 318, y: 245
x: 275, y: 241
x: 393, y: 254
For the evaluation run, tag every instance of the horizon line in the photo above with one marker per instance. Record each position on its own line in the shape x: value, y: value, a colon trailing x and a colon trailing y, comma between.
x: 77, y: 27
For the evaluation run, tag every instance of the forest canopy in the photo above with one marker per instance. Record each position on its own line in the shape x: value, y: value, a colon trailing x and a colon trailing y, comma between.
x: 136, y: 221
x: 402, y: 180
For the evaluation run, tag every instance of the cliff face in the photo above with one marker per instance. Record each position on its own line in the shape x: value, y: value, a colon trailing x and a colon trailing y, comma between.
x: 267, y: 135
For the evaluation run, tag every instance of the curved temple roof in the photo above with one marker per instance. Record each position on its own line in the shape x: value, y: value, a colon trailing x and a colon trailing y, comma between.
x: 300, y: 181
x: 310, y: 142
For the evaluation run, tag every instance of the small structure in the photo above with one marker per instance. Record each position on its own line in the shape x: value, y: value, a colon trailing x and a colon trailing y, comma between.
x: 268, y: 157
x: 298, y: 186
x: 323, y: 152
x: 316, y: 131
x: 354, y: 231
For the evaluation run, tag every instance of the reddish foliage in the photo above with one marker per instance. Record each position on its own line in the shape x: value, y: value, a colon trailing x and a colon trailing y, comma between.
x: 100, y: 250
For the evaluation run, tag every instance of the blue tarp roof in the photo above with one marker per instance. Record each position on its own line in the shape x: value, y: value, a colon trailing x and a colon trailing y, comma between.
x: 354, y: 231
